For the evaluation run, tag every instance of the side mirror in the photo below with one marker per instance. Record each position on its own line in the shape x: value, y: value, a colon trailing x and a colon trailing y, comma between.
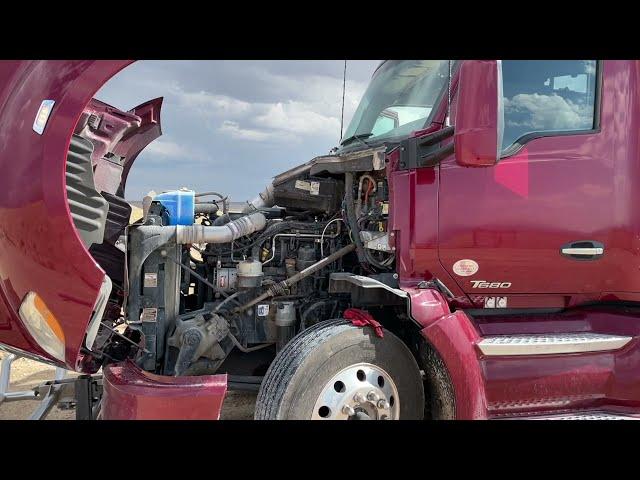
x: 479, y: 120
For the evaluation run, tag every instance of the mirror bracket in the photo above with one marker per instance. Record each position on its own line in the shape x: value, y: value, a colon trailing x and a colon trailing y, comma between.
x: 426, y: 151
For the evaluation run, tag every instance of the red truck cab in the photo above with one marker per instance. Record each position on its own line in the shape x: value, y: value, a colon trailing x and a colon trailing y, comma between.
x: 510, y: 215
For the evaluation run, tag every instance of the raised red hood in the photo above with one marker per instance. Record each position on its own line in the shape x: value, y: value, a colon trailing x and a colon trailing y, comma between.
x: 40, y: 248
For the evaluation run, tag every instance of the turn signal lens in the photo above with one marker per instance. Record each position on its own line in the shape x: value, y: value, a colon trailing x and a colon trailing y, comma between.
x: 42, y: 325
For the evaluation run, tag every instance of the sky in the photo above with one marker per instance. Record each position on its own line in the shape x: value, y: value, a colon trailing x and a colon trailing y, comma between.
x: 231, y: 125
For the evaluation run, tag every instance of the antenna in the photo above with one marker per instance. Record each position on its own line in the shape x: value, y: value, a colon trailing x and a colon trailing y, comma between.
x: 344, y: 83
x: 448, y: 117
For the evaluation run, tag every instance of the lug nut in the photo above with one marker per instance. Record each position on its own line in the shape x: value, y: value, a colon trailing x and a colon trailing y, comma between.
x: 348, y: 410
x: 383, y: 404
x: 359, y: 398
x: 373, y: 396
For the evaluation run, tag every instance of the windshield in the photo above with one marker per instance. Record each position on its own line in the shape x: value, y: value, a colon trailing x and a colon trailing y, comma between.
x: 399, y: 99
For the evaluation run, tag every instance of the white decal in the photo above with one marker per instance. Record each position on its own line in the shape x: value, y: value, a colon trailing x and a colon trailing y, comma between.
x: 465, y: 267
x: 485, y: 284
x: 150, y: 280
x: 302, y: 185
x: 263, y: 310
x: 315, y: 188
x: 495, y: 302
x: 149, y: 315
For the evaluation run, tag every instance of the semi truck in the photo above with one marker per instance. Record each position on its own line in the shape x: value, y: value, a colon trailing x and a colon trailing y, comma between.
x: 470, y: 250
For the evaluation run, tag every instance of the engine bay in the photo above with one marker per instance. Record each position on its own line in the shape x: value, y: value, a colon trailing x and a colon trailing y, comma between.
x: 199, y: 277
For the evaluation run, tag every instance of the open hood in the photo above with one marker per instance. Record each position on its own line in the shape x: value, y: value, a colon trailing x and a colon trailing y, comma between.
x: 52, y: 290
x: 117, y: 137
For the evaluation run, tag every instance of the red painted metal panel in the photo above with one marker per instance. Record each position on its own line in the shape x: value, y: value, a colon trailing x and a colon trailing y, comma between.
x: 40, y: 249
x: 133, y: 394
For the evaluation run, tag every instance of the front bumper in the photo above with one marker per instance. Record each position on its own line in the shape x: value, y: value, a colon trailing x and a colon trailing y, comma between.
x: 131, y: 393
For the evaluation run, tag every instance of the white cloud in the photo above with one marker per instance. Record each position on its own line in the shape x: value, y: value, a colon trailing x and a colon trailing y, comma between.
x: 297, y: 118
x: 310, y: 105
x: 166, y: 149
x: 548, y: 112
x: 210, y: 104
x: 234, y: 131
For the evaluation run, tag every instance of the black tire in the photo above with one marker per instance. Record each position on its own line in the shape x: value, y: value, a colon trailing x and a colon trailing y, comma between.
x: 299, y: 372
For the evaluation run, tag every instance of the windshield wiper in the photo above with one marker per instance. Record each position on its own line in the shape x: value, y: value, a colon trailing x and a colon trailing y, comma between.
x: 360, y: 137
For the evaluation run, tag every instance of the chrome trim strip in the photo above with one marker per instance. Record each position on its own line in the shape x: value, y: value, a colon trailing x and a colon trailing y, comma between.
x: 550, y: 344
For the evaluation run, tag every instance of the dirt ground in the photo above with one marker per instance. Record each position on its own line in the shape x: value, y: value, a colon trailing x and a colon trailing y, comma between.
x: 26, y: 374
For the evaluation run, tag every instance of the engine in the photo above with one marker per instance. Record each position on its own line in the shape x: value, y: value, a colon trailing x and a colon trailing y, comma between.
x: 207, y: 278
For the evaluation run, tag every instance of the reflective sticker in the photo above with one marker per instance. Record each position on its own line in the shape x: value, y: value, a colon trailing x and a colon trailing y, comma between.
x: 149, y: 315
x: 43, y: 116
x: 150, y: 280
x: 263, y: 310
x: 465, y: 267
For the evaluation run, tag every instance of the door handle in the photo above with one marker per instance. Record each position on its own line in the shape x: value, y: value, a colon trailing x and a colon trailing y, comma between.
x: 583, y: 250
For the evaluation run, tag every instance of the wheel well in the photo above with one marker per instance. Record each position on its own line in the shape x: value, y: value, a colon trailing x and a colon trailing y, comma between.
x: 438, y: 388
x: 440, y: 402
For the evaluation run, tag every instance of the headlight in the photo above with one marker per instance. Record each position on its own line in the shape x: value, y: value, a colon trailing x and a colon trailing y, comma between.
x: 42, y: 325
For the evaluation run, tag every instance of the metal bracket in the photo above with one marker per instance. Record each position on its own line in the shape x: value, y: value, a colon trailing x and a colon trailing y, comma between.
x: 49, y: 393
x: 427, y: 151
x: 84, y: 392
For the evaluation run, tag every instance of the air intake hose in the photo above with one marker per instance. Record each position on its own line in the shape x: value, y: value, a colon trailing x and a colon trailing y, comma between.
x: 240, y: 227
x: 263, y: 200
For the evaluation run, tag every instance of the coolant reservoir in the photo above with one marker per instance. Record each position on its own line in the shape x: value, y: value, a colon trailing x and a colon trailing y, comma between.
x: 179, y: 205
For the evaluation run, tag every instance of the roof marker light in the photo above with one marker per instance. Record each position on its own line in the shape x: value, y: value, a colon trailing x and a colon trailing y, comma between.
x: 43, y: 115
x: 43, y: 325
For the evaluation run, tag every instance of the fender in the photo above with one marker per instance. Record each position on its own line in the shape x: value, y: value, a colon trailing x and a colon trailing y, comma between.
x: 453, y: 336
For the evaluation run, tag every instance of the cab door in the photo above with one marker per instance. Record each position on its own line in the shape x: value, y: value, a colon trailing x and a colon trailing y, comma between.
x: 551, y: 223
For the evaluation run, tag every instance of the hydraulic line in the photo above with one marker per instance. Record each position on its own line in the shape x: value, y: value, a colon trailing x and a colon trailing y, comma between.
x: 226, y: 300
x: 225, y: 200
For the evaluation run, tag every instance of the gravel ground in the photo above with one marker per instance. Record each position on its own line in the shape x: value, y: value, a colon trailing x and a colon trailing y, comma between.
x: 26, y: 374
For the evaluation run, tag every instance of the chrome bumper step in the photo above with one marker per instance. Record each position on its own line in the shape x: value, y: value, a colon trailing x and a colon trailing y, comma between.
x: 586, y: 416
x: 551, y: 344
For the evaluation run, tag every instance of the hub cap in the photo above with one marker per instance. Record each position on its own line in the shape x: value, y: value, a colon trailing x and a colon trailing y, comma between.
x: 359, y: 392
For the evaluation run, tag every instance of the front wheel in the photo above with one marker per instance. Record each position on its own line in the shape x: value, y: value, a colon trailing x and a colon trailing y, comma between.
x: 335, y: 371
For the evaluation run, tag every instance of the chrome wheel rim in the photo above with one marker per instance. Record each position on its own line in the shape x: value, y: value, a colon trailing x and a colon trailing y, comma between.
x: 359, y: 392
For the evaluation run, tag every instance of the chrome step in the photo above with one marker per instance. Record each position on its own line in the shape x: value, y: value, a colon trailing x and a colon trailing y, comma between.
x: 586, y: 416
x: 550, y: 344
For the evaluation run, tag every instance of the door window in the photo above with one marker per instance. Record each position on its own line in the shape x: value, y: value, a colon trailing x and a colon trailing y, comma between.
x: 546, y: 97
